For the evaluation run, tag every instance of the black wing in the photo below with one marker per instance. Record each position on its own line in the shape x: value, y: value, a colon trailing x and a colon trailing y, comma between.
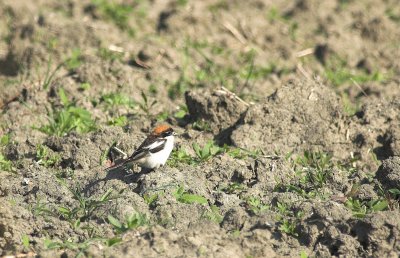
x: 150, y: 145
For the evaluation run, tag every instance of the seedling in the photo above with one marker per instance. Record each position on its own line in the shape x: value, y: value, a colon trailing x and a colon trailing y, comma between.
x: 239, y: 153
x: 46, y: 157
x: 288, y: 227
x: 178, y: 156
x: 85, y: 86
x: 40, y: 209
x: 68, y: 118
x: 201, y: 125
x: 25, y: 242
x: 315, y: 167
x: 49, y: 76
x: 360, y: 209
x: 256, y: 206
x: 337, y: 72
x: 4, y: 140
x: 114, y: 100
x: 395, y: 192
x: 118, y: 121
x: 146, y: 106
x: 162, y: 116
x: 183, y: 196
x: 75, y: 60
x: 182, y: 112
x: 287, y: 218
x: 117, y: 13
x: 207, y: 151
x: 5, y: 164
x: 234, y: 188
x: 151, y: 199
x: 133, y: 221
x: 86, y: 206
x: 214, y: 214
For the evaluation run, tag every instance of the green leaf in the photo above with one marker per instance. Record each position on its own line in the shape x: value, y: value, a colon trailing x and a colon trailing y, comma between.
x: 113, y: 241
x: 394, y: 191
x: 63, y: 97
x: 380, y: 205
x: 25, y: 241
x: 48, y: 244
x: 106, y: 196
x: 65, y: 211
x: 192, y: 198
x: 115, y: 222
x: 303, y: 254
x: 5, y: 139
x: 196, y: 149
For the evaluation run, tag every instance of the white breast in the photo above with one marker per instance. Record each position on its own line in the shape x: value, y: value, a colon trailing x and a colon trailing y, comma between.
x: 159, y: 158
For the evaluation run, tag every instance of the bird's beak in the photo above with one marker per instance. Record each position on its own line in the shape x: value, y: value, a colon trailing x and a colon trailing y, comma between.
x: 175, y: 134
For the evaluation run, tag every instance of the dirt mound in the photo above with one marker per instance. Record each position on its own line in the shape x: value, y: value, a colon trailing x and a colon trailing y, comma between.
x: 287, y: 113
x: 389, y: 173
x: 221, y: 109
x: 298, y: 116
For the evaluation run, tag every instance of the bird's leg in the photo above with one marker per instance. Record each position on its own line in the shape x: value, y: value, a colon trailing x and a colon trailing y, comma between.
x: 121, y: 152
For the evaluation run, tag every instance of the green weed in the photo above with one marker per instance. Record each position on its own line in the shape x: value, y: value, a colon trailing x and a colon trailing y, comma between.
x: 201, y: 125
x: 117, y: 13
x: 75, y: 60
x: 68, y: 118
x: 234, y: 188
x: 392, y: 15
x: 273, y: 15
x: 303, y: 254
x: 214, y: 214
x: 162, y: 116
x: 182, y: 112
x: 206, y: 152
x: 132, y: 221
x: 84, y: 86
x: 25, y: 242
x: 240, y: 153
x: 350, y: 108
x: 362, y: 208
x: 314, y: 167
x: 46, y: 157
x: 151, y: 199
x: 5, y: 164
x: 40, y: 208
x: 113, y: 100
x: 256, y: 206
x: 85, y: 207
x: 146, y: 105
x: 79, y: 247
x: 118, y: 121
x: 50, y: 74
x: 395, y: 192
x: 183, y: 196
x: 288, y: 219
x: 337, y: 72
x: 178, y: 156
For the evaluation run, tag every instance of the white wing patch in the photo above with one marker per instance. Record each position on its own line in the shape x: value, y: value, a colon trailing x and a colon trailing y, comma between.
x: 154, y: 145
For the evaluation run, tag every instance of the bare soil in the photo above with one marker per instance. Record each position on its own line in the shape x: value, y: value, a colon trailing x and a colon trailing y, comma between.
x: 274, y: 80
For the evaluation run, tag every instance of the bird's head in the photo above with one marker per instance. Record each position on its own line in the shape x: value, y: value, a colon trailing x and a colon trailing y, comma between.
x: 163, y: 131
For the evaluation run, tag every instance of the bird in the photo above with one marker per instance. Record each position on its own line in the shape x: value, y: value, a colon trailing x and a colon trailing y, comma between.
x: 154, y: 150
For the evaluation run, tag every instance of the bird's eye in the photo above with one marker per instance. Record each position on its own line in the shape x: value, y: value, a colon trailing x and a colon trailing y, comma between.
x: 168, y: 133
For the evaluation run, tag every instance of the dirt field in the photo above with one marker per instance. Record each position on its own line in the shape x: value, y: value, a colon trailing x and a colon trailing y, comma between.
x: 288, y: 114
